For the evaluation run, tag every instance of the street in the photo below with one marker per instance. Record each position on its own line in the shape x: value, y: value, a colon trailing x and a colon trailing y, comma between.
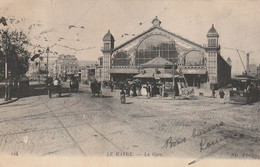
x: 80, y: 124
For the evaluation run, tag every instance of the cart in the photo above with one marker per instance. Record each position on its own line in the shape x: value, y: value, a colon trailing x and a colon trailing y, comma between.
x: 96, y: 88
x: 53, y: 86
x: 74, y: 84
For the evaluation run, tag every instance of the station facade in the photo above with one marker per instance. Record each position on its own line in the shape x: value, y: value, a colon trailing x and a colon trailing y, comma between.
x: 164, y: 53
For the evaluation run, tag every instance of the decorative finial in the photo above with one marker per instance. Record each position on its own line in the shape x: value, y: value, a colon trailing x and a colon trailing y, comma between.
x: 156, y: 22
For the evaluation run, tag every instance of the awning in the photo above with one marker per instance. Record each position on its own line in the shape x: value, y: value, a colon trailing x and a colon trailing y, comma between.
x: 151, y: 75
x: 123, y: 71
x: 198, y: 71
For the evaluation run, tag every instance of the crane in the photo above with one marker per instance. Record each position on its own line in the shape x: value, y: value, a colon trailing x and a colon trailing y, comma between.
x: 247, y: 68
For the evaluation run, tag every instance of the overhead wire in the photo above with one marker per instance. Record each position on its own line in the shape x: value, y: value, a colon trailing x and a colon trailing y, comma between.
x: 69, y: 28
x: 158, y: 14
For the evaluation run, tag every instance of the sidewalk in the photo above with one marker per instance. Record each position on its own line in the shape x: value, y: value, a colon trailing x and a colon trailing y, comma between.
x: 2, y: 100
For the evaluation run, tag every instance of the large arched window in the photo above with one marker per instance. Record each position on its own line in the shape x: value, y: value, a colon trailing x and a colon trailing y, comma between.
x: 153, y: 46
x: 194, y: 58
x: 121, y: 59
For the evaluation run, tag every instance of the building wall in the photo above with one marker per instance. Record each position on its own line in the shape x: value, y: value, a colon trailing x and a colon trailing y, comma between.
x: 98, y: 73
x: 182, y: 46
x: 66, y: 64
x: 212, y: 66
x: 87, y: 74
x: 252, y: 70
x: 258, y: 72
x: 223, y: 71
x: 106, y: 66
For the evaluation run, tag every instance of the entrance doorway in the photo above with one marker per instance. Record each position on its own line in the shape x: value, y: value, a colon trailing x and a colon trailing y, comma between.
x: 194, y: 79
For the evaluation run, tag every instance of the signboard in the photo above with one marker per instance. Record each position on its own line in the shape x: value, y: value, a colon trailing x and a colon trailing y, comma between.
x: 194, y: 71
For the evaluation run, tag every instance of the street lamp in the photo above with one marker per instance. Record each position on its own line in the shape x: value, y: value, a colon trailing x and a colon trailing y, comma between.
x: 3, y: 21
x: 6, y: 71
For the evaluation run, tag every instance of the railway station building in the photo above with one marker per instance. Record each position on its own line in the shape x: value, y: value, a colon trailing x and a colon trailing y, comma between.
x: 158, y: 54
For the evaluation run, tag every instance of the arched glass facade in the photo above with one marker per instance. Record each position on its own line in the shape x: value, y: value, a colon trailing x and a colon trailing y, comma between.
x: 154, y: 45
x: 194, y: 58
x: 121, y: 59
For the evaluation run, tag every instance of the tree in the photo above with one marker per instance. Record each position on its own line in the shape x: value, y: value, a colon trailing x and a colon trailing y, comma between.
x: 13, y: 43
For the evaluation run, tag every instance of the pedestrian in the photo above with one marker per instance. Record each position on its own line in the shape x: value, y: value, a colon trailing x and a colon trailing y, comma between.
x: 139, y: 88
x: 148, y: 90
x: 112, y: 86
x: 213, y: 91
x: 128, y: 90
x: 176, y: 89
x: 122, y: 96
x: 134, y: 90
x: 163, y: 90
x: 143, y: 90
x: 221, y: 95
x: 160, y: 90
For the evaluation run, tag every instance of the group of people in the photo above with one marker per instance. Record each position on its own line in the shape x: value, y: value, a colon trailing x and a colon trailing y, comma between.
x: 153, y: 90
x: 221, y: 94
x: 132, y: 89
x: 137, y: 89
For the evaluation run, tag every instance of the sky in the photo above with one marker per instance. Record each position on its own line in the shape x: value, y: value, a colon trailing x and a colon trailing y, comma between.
x: 80, y: 25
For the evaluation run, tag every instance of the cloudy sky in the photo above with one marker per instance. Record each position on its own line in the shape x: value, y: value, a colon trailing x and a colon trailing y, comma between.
x: 80, y: 25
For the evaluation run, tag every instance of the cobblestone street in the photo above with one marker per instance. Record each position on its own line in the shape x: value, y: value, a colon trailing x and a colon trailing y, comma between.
x: 79, y: 124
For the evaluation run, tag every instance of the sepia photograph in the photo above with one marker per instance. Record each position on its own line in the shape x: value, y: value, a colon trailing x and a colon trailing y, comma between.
x: 129, y: 83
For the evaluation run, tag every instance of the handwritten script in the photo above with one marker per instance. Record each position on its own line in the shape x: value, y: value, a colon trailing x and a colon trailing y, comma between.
x: 204, y: 144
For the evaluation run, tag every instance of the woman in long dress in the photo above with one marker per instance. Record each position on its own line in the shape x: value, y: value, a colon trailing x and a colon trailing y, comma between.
x: 143, y: 90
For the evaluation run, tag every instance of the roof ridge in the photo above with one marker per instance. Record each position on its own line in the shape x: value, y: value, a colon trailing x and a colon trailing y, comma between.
x: 128, y: 41
x: 154, y: 27
x: 179, y: 36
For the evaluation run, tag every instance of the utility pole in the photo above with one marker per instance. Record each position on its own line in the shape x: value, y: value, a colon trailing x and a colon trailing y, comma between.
x: 6, y: 69
x: 39, y: 71
x: 247, y: 63
x: 47, y: 51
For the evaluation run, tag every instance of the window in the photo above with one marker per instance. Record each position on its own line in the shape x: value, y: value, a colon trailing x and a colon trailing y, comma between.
x: 121, y: 59
x: 194, y: 58
x: 106, y: 46
x: 154, y: 46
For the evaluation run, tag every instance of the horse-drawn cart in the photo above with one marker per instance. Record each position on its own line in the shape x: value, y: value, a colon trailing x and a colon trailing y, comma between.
x: 54, y: 85
x: 74, y: 84
x: 96, y: 88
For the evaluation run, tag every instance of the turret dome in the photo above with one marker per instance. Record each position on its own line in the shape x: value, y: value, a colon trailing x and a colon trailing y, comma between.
x: 212, y: 32
x: 108, y: 37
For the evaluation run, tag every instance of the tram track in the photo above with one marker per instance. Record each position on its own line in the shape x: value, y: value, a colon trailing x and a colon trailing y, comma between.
x: 66, y: 129
x: 33, y: 115
x: 92, y: 127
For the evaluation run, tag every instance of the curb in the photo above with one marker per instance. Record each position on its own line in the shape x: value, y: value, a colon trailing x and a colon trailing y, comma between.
x: 10, y: 101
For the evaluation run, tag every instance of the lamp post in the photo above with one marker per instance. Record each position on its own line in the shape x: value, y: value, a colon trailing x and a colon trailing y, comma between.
x: 6, y: 70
